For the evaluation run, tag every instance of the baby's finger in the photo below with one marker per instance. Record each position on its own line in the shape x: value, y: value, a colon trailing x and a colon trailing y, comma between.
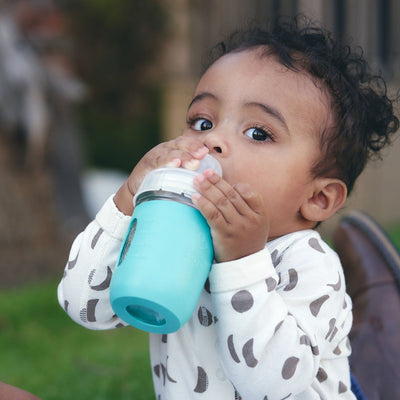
x: 171, y: 158
x: 177, y: 158
x: 223, y: 197
x: 210, y: 212
x: 187, y: 150
x: 228, y: 194
x: 252, y: 199
x: 191, y: 145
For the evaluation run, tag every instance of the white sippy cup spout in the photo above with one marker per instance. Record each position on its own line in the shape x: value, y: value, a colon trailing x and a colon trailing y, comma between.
x: 209, y: 162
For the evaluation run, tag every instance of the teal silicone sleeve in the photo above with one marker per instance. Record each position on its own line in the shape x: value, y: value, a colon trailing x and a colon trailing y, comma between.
x: 163, y: 265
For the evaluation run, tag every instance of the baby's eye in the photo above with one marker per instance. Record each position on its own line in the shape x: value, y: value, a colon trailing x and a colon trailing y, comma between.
x: 258, y: 134
x: 202, y: 124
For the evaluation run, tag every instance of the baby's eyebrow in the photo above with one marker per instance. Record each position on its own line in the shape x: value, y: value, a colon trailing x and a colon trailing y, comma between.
x: 202, y: 96
x: 271, y: 111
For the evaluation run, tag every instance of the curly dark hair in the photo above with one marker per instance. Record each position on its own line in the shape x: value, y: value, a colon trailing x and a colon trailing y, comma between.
x: 363, y: 112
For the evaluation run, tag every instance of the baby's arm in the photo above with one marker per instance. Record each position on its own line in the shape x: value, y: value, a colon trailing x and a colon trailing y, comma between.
x: 84, y: 289
x: 273, y: 330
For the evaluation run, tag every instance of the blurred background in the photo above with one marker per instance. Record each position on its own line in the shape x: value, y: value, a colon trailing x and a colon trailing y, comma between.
x: 86, y: 88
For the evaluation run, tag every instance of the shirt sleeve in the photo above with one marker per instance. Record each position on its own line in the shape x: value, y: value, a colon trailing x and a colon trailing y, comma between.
x: 84, y: 288
x: 276, y: 321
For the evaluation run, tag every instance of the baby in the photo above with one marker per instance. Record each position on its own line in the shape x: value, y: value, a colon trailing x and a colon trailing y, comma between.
x: 292, y: 118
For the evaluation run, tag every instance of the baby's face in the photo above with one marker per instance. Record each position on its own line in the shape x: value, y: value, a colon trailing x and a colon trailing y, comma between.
x: 263, y: 123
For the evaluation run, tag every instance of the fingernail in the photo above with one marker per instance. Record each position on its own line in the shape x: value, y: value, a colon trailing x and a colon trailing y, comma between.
x: 201, y: 152
x: 199, y: 178
x: 208, y: 173
x: 196, y: 197
x: 176, y: 162
x: 191, y: 164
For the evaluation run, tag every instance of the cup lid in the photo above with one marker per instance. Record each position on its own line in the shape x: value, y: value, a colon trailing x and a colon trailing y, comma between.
x: 176, y: 180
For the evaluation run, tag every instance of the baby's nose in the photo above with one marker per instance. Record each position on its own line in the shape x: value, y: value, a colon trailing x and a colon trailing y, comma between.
x: 217, y: 149
x: 215, y: 143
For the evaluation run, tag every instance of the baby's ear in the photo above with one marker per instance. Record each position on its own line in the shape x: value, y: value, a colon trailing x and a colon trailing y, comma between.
x: 328, y: 196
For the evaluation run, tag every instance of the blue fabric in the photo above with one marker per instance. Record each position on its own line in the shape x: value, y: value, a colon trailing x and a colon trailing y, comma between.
x: 356, y: 389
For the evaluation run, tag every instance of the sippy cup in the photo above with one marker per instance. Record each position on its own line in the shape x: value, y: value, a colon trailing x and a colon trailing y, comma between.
x: 167, y: 253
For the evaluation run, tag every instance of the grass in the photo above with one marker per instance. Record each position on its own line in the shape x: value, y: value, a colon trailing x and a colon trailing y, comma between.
x: 46, y: 353
x: 394, y: 234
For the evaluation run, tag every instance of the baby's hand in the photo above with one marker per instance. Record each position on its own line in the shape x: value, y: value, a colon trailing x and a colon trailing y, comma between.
x: 182, y: 151
x: 236, y: 215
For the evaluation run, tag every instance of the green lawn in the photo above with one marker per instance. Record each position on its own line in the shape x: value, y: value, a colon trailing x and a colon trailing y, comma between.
x: 394, y: 234
x: 46, y: 353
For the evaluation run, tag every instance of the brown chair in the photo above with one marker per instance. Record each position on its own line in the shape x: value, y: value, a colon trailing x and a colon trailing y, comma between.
x: 372, y: 268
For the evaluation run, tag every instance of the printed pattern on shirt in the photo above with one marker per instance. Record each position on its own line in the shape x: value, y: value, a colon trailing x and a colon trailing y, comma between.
x: 239, y: 343
x: 243, y: 352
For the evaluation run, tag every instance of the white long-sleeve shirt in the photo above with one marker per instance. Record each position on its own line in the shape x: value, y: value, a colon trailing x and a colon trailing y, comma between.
x: 273, y: 325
